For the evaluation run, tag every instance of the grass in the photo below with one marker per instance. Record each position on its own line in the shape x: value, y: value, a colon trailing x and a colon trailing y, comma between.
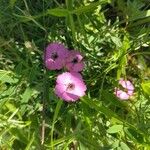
x: 113, y: 36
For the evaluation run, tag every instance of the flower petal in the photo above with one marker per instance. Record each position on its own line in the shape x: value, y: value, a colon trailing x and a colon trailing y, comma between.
x: 61, y: 52
x: 74, y: 66
x: 62, y: 89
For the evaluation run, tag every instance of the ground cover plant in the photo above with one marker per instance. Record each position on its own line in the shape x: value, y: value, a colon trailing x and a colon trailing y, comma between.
x: 74, y: 75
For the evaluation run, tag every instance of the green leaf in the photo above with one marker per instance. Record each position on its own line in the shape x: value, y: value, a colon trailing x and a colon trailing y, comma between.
x: 71, y: 24
x: 58, y: 12
x: 7, y: 77
x: 115, y: 144
x: 116, y: 40
x: 135, y: 13
x: 108, y: 97
x: 12, y: 3
x: 123, y: 57
x: 69, y: 4
x: 110, y: 114
x: 85, y: 9
x: 28, y: 147
x: 88, y: 8
x: 142, y: 63
x: 146, y: 87
x: 19, y: 134
x: 57, y: 109
x: 27, y: 95
x: 115, y: 129
x: 140, y: 22
x: 134, y: 135
x: 111, y: 67
x: 98, y: 107
x: 12, y: 108
x: 124, y: 146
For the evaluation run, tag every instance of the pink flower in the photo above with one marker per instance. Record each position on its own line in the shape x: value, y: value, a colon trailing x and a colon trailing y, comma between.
x: 70, y: 86
x: 74, y: 61
x: 126, y: 90
x: 55, y: 56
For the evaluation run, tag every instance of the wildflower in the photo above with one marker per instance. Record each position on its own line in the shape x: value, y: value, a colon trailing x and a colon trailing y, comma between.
x: 74, y: 61
x: 126, y: 90
x: 70, y: 86
x: 55, y: 56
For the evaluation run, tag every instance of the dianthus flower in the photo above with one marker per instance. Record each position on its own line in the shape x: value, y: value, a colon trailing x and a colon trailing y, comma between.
x: 55, y: 56
x: 126, y: 90
x: 70, y: 86
x: 74, y: 61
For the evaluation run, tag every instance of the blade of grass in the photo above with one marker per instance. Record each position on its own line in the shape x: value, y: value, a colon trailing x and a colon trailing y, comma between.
x: 57, y: 109
x: 28, y: 147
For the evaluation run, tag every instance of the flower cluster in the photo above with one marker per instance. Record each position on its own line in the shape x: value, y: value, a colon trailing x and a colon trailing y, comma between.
x: 125, y: 91
x: 69, y: 85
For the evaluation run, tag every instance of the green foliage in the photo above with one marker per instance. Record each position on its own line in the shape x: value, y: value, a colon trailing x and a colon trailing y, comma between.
x: 146, y: 87
x: 113, y: 35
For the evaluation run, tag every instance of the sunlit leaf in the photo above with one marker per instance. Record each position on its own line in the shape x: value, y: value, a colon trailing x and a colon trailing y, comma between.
x: 115, y: 129
x: 146, y: 87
